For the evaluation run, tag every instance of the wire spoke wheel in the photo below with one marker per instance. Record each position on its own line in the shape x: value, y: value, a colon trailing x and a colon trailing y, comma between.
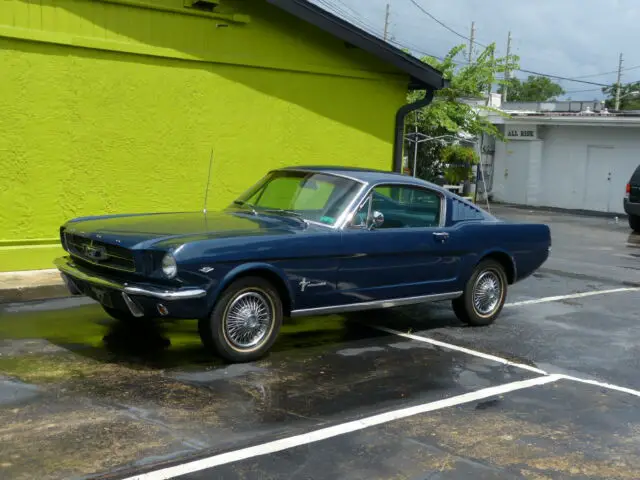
x: 487, y: 293
x: 248, y: 319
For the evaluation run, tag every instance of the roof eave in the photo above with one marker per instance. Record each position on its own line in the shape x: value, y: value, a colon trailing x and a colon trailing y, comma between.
x: 588, y: 121
x: 422, y: 76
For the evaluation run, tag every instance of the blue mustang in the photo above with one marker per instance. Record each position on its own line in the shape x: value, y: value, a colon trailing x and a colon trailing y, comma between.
x: 302, y: 241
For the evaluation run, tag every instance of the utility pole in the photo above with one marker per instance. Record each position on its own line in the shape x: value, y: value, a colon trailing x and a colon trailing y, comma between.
x: 386, y: 22
x: 507, y: 73
x: 617, y: 106
x: 472, y: 37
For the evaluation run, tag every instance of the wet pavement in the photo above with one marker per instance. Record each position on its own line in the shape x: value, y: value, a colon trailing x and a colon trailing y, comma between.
x: 82, y: 396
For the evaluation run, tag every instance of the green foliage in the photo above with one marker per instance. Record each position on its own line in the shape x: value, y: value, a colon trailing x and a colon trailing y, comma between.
x: 448, y: 114
x: 533, y: 89
x: 460, y: 161
x: 471, y: 81
x: 628, y: 101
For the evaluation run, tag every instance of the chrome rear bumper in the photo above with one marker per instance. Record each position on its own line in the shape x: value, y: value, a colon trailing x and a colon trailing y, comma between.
x: 69, y: 269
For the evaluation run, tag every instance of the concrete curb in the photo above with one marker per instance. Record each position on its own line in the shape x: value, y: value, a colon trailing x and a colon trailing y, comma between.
x: 31, y: 285
x: 566, y: 211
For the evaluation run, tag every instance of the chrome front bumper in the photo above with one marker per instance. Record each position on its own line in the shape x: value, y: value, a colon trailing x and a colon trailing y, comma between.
x: 68, y: 268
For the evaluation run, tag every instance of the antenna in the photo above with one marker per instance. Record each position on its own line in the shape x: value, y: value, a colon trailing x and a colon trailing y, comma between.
x: 206, y: 191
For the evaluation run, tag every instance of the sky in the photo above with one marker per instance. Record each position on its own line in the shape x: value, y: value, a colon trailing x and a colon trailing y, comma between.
x: 569, y: 38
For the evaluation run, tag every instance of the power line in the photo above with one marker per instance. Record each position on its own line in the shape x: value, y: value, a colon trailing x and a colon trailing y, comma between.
x: 608, y: 73
x: 561, y: 78
x: 371, y: 29
x: 442, y: 24
x: 364, y: 25
x: 423, y: 10
x: 583, y: 91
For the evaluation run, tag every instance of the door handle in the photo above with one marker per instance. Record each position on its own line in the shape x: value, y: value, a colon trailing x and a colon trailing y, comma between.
x: 442, y: 236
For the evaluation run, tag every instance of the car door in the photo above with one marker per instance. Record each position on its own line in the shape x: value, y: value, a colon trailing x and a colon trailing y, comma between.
x: 411, y: 253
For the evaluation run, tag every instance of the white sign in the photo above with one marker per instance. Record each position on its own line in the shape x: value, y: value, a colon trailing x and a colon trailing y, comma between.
x: 521, y: 132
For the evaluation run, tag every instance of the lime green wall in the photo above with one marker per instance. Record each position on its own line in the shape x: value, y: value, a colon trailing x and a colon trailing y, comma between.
x: 113, y: 108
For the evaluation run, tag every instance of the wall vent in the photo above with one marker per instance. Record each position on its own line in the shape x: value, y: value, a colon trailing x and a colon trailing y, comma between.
x: 207, y: 5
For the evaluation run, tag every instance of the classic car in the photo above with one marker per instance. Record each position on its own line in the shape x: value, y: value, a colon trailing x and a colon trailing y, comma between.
x: 302, y: 241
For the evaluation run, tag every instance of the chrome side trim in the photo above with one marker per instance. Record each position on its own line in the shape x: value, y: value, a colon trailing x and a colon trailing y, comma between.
x: 67, y: 267
x: 356, y: 307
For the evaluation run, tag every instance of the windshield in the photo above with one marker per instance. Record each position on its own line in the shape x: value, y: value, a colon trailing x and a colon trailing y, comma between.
x: 317, y: 197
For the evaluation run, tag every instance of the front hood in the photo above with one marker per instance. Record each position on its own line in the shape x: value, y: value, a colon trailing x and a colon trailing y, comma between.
x: 146, y: 230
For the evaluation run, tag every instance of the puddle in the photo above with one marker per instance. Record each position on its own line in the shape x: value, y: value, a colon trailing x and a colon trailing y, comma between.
x: 13, y: 392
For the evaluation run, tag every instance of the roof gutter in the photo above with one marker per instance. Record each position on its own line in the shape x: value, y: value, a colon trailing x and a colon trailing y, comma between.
x: 398, y: 142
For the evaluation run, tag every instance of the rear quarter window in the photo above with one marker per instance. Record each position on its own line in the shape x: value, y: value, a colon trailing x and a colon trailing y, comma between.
x: 635, y: 178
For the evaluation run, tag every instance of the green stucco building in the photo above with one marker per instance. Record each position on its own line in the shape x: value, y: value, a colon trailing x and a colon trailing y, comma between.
x: 116, y: 105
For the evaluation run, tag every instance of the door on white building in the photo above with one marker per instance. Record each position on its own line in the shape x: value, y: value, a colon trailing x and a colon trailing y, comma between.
x: 597, y: 185
x: 516, y: 172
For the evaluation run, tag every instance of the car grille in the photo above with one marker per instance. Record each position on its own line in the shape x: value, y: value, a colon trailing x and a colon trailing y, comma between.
x: 100, y: 253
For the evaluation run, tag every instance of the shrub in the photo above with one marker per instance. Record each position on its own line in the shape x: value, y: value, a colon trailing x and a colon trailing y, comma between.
x: 460, y: 161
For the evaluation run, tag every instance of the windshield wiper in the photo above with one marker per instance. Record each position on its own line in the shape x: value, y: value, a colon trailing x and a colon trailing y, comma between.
x: 290, y: 213
x: 247, y: 205
x: 282, y: 210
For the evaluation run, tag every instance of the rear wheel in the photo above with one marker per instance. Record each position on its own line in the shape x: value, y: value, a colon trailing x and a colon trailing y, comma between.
x: 634, y: 223
x: 484, y: 294
x: 245, y: 321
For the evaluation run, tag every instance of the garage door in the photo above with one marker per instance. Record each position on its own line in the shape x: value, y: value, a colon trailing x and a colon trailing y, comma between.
x: 587, y: 168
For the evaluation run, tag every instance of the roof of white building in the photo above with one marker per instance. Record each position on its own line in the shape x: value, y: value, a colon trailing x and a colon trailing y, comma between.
x: 564, y: 113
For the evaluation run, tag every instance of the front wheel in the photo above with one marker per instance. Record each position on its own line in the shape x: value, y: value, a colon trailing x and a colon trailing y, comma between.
x: 484, y: 295
x: 634, y: 223
x: 245, y: 322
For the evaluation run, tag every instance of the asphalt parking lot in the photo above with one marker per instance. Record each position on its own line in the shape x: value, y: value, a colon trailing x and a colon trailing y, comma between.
x: 550, y: 391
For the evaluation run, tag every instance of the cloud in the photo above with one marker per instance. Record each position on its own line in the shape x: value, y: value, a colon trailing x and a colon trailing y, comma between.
x: 570, y: 38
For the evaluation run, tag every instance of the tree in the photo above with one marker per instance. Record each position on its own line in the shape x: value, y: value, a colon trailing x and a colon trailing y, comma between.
x: 533, y: 89
x: 628, y: 100
x: 448, y: 114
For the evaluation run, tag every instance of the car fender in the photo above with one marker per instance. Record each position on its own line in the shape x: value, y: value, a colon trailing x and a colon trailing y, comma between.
x: 244, y: 268
x: 491, y: 251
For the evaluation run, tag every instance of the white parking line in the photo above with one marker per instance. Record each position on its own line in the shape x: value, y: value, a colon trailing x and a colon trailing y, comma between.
x: 608, y: 386
x: 450, y: 346
x: 572, y: 295
x: 524, y: 366
x: 336, y: 430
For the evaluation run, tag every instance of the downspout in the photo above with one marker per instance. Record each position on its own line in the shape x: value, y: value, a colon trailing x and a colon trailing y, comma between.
x: 400, y: 118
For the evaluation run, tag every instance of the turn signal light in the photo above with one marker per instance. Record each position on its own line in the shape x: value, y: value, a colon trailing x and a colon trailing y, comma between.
x: 628, y: 191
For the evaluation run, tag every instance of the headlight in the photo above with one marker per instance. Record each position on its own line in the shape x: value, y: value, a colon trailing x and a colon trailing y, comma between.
x: 169, y: 265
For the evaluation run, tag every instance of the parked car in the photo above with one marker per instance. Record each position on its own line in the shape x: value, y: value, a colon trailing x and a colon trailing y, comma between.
x: 302, y: 241
x: 632, y: 200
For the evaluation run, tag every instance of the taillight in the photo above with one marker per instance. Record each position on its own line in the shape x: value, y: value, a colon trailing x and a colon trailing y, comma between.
x: 627, y: 193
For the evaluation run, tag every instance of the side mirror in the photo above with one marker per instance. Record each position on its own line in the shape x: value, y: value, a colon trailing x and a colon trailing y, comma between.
x: 377, y: 219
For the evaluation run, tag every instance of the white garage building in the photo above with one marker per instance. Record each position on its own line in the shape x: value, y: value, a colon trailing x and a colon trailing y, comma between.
x: 559, y: 157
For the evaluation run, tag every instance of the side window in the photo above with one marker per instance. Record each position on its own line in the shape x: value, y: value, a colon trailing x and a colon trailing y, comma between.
x: 406, y: 206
